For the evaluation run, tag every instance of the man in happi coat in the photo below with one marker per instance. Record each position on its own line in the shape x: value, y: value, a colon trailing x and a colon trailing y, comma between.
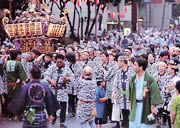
x: 76, y: 69
x: 58, y: 75
x: 107, y: 71
x: 86, y: 98
x: 16, y: 76
x: 120, y: 89
x: 34, y: 100
x: 144, y: 95
x: 44, y: 61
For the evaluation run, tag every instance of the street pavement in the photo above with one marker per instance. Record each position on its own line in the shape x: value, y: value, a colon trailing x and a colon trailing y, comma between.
x: 71, y: 122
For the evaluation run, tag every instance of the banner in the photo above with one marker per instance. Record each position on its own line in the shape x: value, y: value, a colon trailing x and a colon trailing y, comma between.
x: 156, y: 1
x: 152, y: 1
x: 146, y: 1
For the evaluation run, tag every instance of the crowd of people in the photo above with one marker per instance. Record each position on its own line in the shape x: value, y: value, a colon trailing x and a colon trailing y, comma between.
x: 132, y: 80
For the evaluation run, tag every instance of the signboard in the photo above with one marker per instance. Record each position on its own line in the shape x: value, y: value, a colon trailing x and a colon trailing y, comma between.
x: 127, y: 31
x: 24, y: 29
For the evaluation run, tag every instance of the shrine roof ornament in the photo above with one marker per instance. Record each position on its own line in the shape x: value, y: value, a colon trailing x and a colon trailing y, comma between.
x: 36, y: 22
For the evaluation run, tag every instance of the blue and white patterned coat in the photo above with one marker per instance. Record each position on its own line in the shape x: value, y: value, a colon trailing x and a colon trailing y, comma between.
x: 117, y: 86
x: 52, y: 73
x: 161, y: 83
x: 41, y: 65
x: 87, y: 93
x: 28, y: 65
x: 76, y: 70
x: 108, y: 77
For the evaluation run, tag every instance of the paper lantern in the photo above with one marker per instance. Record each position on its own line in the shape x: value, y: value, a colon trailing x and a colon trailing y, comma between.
x: 126, y: 9
x: 85, y: 1
x: 112, y: 14
x: 79, y: 3
x: 117, y: 13
x: 72, y: 1
x: 107, y: 10
x: 122, y: 16
x: 122, y: 12
x: 97, y: 1
x: 101, y: 6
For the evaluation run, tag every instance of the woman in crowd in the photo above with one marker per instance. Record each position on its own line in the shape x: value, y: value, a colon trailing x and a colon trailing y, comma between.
x: 169, y: 90
x: 161, y: 76
x: 175, y: 108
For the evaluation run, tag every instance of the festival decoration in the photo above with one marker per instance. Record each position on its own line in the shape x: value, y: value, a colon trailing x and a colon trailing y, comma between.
x: 36, y: 28
x: 101, y: 6
x: 112, y: 14
x: 97, y: 1
x: 78, y: 3
x: 117, y: 14
x: 126, y: 9
x: 107, y: 10
x: 122, y: 12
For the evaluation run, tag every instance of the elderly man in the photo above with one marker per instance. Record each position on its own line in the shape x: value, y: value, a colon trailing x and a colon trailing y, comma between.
x: 144, y: 95
x: 87, y: 96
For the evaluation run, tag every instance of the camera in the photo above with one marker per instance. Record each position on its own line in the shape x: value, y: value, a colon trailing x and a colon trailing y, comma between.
x: 151, y: 117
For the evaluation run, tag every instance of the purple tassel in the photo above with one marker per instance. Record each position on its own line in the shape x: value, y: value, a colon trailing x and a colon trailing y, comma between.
x: 16, y: 42
x: 38, y: 43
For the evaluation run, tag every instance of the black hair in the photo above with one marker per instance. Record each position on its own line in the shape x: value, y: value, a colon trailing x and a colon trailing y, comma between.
x: 36, y: 52
x: 178, y: 85
x: 132, y: 59
x: 116, y: 57
x: 164, y: 53
x: 13, y: 54
x: 1, y: 70
x: 145, y: 56
x: 62, y: 49
x: 125, y: 61
x: 36, y: 73
x: 54, y: 53
x: 86, y: 41
x: 71, y: 48
x: 99, y: 80
x: 152, y: 54
x: 59, y: 56
x: 142, y: 62
x: 105, y: 53
x: 71, y: 57
x: 151, y: 46
x: 109, y: 47
x: 166, y: 46
x: 19, y: 52
x: 99, y: 83
x: 175, y: 69
x: 49, y: 54
x: 129, y: 49
x: 177, y: 45
x: 158, y: 46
